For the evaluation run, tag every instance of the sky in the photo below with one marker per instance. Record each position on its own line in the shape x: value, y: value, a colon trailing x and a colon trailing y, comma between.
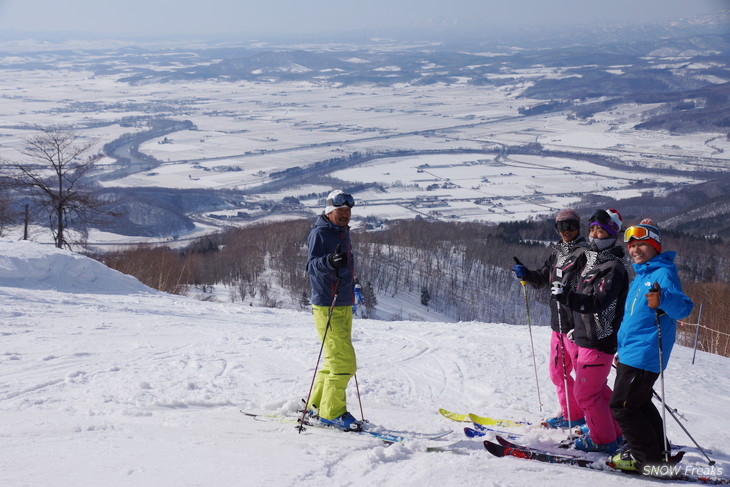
x: 276, y: 17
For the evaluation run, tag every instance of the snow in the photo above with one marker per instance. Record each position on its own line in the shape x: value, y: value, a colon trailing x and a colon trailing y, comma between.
x: 107, y: 382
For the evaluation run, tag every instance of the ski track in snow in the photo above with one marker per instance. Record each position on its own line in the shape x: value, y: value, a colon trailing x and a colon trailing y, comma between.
x: 144, y: 388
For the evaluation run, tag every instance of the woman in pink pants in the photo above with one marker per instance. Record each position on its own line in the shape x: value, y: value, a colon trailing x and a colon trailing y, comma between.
x: 597, y: 303
x: 566, y: 258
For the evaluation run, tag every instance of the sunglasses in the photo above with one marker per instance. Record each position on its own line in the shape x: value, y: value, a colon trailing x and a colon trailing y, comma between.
x: 639, y: 233
x: 341, y: 199
x: 567, y: 226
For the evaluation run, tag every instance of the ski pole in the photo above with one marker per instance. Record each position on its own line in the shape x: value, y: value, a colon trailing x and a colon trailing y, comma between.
x: 529, y: 327
x: 661, y: 375
x: 357, y: 388
x: 565, y: 368
x: 565, y: 372
x: 675, y: 415
x: 321, y: 348
x: 672, y: 412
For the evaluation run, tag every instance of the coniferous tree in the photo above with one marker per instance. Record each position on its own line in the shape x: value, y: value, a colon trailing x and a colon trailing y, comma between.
x: 425, y: 296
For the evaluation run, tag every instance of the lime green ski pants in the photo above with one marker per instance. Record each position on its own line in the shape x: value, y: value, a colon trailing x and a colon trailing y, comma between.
x: 339, y: 363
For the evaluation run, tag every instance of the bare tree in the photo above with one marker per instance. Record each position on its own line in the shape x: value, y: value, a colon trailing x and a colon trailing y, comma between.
x: 54, y: 175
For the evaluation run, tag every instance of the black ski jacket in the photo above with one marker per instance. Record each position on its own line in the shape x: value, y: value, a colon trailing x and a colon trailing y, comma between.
x: 563, y: 265
x: 598, y: 301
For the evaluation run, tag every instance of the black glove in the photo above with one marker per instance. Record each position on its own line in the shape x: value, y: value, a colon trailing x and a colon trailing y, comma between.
x: 338, y: 259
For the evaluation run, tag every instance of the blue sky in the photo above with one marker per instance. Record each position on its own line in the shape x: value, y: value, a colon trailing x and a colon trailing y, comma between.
x: 261, y: 17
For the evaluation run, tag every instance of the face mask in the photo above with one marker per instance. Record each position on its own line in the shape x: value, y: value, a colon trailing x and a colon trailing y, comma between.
x: 599, y: 244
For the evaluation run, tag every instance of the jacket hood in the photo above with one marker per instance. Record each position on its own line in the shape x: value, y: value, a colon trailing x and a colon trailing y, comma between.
x: 568, y: 247
x: 611, y: 253
x: 665, y: 259
x: 323, y: 221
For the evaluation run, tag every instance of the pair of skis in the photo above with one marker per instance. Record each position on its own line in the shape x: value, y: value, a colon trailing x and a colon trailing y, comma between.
x: 385, y: 435
x: 505, y: 448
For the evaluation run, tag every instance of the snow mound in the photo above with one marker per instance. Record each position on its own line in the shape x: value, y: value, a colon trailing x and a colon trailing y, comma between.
x: 30, y: 265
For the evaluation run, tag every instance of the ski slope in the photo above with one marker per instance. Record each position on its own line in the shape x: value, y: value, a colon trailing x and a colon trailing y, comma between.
x: 106, y: 382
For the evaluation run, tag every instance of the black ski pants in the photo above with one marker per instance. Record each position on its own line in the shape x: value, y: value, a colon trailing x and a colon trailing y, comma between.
x: 635, y: 412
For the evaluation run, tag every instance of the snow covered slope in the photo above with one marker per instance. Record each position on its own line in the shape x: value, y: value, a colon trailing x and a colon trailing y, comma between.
x: 105, y: 382
x: 28, y: 265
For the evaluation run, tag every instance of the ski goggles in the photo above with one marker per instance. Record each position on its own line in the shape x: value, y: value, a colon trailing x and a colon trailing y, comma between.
x: 640, y: 233
x: 341, y: 199
x: 567, y: 226
x: 602, y: 219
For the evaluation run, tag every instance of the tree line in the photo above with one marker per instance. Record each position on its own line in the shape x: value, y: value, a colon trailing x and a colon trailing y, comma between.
x: 463, y: 270
x: 459, y: 269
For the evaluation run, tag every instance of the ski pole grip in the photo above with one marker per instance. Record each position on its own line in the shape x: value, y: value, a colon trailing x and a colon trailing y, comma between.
x: 517, y: 261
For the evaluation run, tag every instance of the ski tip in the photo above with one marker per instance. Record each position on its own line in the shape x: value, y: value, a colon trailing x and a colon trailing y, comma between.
x: 472, y: 433
x: 502, y: 441
x: 494, y: 448
x: 454, y: 416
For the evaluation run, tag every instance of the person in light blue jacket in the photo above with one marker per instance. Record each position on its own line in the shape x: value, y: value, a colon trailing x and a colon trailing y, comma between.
x: 655, y: 298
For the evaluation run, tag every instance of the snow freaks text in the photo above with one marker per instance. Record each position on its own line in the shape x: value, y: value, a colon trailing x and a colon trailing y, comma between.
x: 676, y: 470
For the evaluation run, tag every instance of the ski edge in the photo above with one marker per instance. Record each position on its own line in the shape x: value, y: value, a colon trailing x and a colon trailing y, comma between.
x: 487, y: 421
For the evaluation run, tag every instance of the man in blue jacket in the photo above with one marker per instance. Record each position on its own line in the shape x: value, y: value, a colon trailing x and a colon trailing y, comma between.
x: 331, y: 270
x: 655, y: 295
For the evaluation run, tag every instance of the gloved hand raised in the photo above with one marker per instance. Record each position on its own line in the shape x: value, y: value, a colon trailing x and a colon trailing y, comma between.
x: 519, y: 269
x: 654, y: 296
x: 338, y: 259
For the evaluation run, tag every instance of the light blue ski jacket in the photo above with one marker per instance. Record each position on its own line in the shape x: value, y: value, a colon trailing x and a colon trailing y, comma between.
x: 638, y: 341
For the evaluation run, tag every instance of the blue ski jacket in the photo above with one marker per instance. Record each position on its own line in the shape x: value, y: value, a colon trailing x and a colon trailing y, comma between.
x: 323, y: 240
x: 638, y: 341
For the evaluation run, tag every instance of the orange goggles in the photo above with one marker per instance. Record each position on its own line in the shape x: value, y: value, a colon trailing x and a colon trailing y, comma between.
x: 640, y: 233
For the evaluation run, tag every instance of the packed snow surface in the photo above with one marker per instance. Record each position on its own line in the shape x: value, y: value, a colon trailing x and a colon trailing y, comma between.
x: 107, y: 382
